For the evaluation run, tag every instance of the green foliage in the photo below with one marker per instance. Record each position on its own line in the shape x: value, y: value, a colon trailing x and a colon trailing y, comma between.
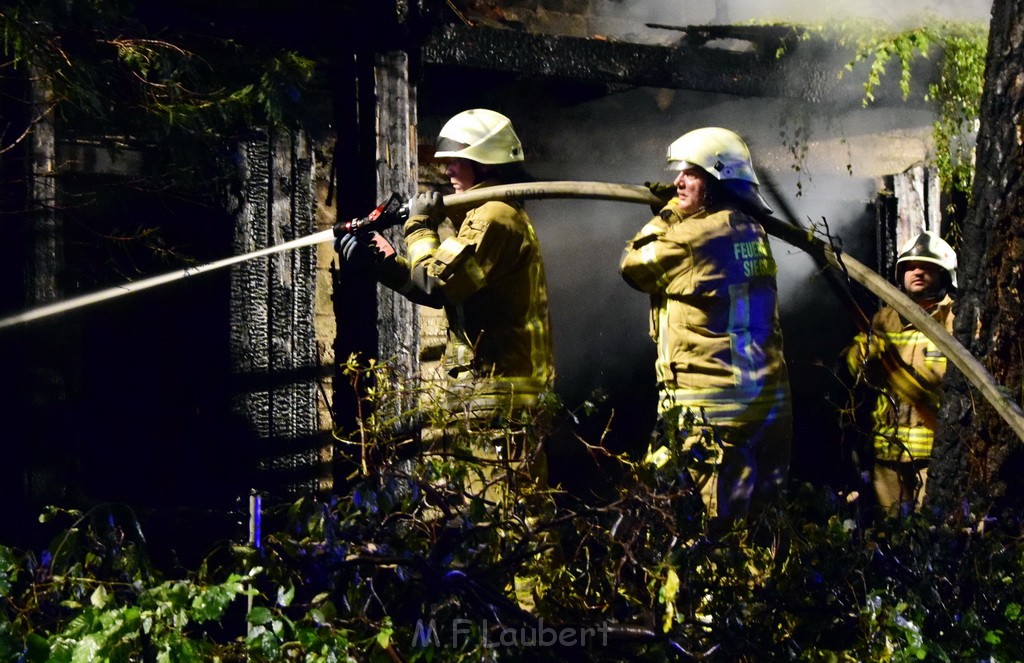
x: 956, y: 93
x: 408, y: 562
x: 92, y: 596
x: 108, y: 72
x: 879, y: 48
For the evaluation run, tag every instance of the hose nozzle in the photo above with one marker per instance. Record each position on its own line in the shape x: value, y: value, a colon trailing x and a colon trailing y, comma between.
x: 391, y: 212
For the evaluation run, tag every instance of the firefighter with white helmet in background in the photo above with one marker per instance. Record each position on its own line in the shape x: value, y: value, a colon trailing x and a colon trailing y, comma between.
x: 724, y: 400
x: 906, y: 369
x: 489, y: 278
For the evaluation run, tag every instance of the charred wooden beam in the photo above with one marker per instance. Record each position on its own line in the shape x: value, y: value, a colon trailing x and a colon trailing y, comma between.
x: 765, y: 39
x: 807, y: 69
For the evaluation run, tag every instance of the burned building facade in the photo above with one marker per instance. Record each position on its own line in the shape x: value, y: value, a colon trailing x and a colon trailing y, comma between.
x: 194, y: 393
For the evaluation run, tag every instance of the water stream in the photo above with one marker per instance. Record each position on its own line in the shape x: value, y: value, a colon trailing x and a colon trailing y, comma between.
x: 73, y: 303
x: 597, y: 190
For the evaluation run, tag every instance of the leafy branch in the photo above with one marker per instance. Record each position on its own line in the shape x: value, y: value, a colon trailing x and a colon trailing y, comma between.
x: 956, y: 94
x: 407, y: 564
x: 105, y: 68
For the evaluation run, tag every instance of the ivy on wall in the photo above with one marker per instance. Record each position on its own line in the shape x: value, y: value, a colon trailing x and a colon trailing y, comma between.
x: 961, y: 49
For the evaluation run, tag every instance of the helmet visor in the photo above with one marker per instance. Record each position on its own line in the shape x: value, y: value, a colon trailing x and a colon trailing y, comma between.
x: 680, y: 165
x: 448, y: 146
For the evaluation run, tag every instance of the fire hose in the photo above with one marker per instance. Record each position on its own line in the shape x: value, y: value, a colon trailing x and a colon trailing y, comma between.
x: 822, y: 252
x: 901, y: 377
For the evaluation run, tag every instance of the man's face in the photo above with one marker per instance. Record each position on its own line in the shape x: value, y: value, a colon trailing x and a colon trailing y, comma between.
x: 690, y: 189
x: 920, y: 278
x: 461, y: 174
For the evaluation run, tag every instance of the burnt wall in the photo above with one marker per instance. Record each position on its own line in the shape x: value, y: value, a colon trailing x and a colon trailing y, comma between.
x: 272, y: 335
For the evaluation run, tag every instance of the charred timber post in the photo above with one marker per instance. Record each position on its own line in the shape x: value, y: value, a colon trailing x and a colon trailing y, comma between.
x: 354, y: 295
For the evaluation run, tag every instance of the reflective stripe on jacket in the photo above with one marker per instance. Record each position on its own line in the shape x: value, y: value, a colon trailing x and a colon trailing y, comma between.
x: 492, y: 277
x: 714, y: 312
x: 906, y: 432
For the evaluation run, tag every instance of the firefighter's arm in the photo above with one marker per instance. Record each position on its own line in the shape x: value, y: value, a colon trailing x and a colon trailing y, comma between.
x: 448, y: 273
x: 426, y: 212
x: 907, y: 384
x: 399, y: 275
x: 489, y: 244
x: 874, y: 359
x: 371, y: 250
x: 409, y: 276
x: 862, y: 352
x: 452, y: 273
x: 649, y: 261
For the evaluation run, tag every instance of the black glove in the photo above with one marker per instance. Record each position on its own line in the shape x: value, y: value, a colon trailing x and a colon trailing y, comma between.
x: 358, y: 249
x: 663, y: 192
x: 429, y: 204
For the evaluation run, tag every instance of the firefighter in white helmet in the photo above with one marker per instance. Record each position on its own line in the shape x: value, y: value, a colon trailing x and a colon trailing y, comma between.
x: 724, y: 398
x: 906, y: 369
x: 489, y: 278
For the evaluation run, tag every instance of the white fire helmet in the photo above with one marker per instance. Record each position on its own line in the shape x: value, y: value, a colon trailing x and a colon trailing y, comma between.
x: 929, y: 247
x: 480, y: 135
x: 722, y: 154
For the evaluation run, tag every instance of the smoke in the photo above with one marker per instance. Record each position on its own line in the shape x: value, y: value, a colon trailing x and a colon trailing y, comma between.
x: 628, y: 18
x: 824, y: 161
x: 601, y: 325
x: 622, y: 138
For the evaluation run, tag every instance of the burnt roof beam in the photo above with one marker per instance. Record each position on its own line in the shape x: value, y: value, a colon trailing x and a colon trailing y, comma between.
x: 807, y: 70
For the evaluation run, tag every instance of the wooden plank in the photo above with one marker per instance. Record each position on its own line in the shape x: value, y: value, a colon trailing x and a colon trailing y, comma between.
x: 397, y: 319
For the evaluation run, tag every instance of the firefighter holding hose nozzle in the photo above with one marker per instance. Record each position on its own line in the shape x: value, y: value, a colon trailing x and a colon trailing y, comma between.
x: 489, y: 279
x: 724, y: 405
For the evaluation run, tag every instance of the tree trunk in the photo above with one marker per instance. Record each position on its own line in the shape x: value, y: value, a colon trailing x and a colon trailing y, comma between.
x: 977, y: 459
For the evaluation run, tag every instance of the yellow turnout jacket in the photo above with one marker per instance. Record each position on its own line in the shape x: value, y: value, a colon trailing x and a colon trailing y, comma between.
x: 907, y: 369
x: 714, y: 314
x: 490, y: 280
